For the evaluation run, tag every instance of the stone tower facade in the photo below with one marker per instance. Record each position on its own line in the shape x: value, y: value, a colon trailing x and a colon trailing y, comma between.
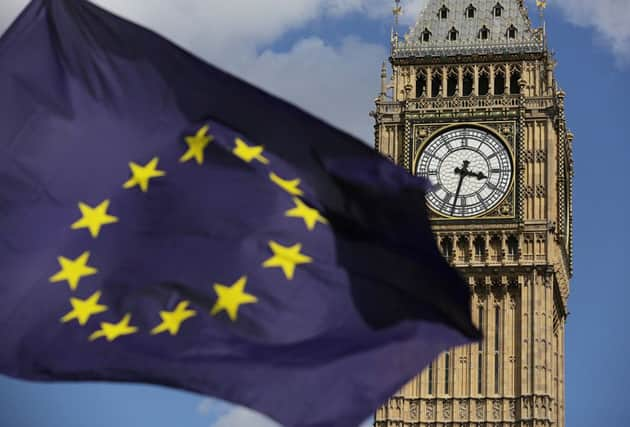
x: 473, y: 105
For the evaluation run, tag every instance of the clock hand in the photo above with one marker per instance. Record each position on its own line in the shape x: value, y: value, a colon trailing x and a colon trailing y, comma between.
x: 478, y: 175
x: 463, y: 172
x: 459, y: 188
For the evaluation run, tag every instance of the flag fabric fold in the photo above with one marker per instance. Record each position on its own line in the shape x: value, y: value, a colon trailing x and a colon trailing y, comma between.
x: 162, y: 221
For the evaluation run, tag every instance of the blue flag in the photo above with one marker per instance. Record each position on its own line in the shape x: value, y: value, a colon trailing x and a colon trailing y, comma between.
x: 162, y: 221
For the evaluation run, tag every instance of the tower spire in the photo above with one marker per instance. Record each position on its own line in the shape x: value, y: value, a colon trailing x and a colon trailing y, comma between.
x: 542, y: 5
x: 397, y: 11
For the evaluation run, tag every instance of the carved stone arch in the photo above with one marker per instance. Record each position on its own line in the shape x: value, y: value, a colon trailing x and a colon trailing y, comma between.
x: 496, y: 248
x: 443, y: 12
x: 479, y: 246
x: 425, y: 36
x: 421, y: 82
x: 462, y: 248
x: 453, y: 34
x: 497, y: 10
x: 452, y: 85
x: 499, y: 79
x: 515, y: 78
x: 446, y: 245
x: 511, y: 32
x: 484, y: 80
x: 436, y: 83
x: 470, y: 11
x: 484, y: 33
x: 468, y: 81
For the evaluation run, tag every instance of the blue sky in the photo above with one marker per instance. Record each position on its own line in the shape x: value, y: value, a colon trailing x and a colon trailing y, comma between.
x: 325, y: 56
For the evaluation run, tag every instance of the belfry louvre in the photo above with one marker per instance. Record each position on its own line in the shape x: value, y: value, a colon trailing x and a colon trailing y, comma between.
x: 472, y: 104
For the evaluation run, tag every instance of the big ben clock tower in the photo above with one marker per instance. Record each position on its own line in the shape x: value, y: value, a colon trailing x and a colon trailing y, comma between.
x: 475, y: 108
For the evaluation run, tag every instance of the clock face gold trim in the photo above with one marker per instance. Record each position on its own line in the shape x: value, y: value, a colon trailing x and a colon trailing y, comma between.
x: 471, y: 169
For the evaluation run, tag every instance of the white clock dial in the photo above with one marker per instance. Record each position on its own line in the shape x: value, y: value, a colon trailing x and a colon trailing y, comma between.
x: 470, y: 169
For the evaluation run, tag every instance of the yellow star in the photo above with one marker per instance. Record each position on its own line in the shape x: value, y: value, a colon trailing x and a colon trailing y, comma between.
x: 94, y: 218
x: 230, y: 298
x: 310, y: 216
x: 172, y: 320
x: 112, y: 331
x: 82, y: 310
x: 142, y: 174
x: 249, y: 153
x: 73, y: 270
x: 196, y: 145
x: 291, y: 187
x: 287, y: 258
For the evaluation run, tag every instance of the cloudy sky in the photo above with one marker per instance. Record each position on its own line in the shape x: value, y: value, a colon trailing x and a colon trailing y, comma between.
x: 325, y: 56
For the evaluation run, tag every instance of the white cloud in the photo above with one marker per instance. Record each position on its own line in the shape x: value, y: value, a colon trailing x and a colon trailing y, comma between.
x: 338, y: 83
x: 609, y: 19
x: 240, y: 416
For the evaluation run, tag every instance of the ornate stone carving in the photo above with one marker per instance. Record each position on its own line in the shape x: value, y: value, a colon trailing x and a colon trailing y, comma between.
x: 421, y: 132
x: 526, y: 407
x: 446, y: 410
x: 413, y: 410
x: 463, y: 409
x: 430, y: 410
x: 496, y: 409
x: 512, y: 409
x: 479, y: 409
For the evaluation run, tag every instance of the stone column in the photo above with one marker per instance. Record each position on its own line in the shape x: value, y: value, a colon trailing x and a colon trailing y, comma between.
x: 460, y: 81
x: 444, y: 82
x: 492, y: 91
x: 476, y: 80
x: 507, y: 78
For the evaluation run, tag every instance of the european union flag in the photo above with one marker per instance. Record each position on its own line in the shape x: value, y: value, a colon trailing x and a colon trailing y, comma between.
x: 162, y: 221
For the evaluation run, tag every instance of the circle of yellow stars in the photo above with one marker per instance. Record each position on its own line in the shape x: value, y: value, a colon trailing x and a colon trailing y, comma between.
x: 230, y: 298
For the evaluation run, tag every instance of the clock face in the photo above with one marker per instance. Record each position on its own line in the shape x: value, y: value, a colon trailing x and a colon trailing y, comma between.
x: 470, y: 169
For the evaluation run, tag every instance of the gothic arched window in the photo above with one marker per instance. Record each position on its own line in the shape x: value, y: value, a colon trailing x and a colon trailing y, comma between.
x: 451, y: 83
x: 426, y: 35
x: 452, y: 34
x: 484, y: 33
x: 469, y: 82
x: 480, y: 248
x: 511, y: 32
x: 499, y: 82
x: 443, y: 13
x: 421, y: 84
x: 497, y: 11
x: 512, y: 247
x: 470, y: 11
x: 484, y: 82
x: 515, y: 77
x: 447, y: 248
x: 436, y: 84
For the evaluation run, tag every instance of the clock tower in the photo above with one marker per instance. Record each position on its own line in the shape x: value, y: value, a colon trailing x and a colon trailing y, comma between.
x: 473, y: 105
